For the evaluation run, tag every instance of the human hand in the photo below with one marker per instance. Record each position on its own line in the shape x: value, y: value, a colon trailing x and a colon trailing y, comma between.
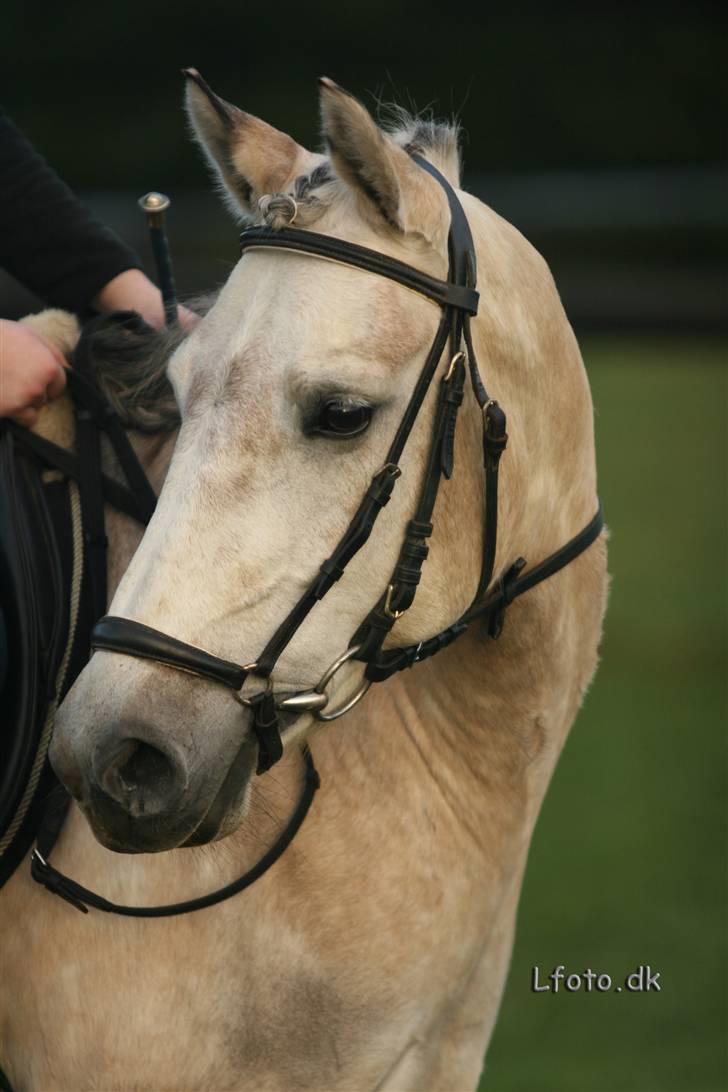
x: 32, y: 372
x: 133, y: 291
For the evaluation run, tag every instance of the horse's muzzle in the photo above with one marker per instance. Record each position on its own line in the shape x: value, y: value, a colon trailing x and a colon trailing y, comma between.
x: 140, y: 796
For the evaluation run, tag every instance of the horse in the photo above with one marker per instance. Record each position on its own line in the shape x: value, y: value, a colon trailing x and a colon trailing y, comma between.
x: 373, y: 954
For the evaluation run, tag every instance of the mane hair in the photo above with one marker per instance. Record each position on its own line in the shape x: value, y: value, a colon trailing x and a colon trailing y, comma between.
x: 127, y: 359
x: 425, y: 135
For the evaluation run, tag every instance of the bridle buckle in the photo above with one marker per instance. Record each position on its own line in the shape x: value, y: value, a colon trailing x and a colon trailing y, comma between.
x: 238, y: 694
x: 393, y: 615
x: 451, y: 367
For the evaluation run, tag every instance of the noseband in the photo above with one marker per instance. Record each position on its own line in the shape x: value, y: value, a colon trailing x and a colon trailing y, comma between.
x: 458, y: 299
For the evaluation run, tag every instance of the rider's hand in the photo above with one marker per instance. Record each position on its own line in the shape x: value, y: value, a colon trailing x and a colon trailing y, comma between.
x: 133, y: 291
x: 32, y: 372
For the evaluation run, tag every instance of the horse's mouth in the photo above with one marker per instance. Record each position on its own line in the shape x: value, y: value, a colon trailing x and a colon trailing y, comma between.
x: 129, y: 822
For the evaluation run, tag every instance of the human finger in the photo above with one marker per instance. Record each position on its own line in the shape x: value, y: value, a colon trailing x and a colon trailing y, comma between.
x: 26, y: 417
x: 57, y: 383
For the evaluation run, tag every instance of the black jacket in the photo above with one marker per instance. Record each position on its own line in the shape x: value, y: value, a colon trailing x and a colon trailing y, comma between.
x: 48, y: 240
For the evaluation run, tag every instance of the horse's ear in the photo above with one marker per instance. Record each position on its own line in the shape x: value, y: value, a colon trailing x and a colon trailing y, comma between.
x: 386, y: 178
x: 250, y: 157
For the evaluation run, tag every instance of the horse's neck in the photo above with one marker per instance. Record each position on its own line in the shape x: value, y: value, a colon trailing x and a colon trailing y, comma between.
x: 124, y: 534
x: 531, y: 363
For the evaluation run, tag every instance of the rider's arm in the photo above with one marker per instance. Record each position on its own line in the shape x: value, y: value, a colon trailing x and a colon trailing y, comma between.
x: 48, y: 239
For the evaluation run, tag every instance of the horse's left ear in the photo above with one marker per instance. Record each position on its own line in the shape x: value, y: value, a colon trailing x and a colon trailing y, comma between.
x: 250, y: 157
x: 385, y: 177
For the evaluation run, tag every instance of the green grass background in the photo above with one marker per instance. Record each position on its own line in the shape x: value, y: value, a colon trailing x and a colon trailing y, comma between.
x: 628, y: 863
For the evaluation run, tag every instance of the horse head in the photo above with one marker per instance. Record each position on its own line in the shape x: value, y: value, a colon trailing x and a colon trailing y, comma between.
x: 290, y: 391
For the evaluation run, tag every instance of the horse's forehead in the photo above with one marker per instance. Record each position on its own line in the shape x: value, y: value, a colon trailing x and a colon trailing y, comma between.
x: 321, y: 311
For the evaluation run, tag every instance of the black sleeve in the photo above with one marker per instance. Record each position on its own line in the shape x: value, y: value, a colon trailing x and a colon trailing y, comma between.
x: 48, y: 240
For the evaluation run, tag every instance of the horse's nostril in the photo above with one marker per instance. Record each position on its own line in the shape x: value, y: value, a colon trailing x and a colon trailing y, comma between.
x: 143, y: 779
x: 146, y: 767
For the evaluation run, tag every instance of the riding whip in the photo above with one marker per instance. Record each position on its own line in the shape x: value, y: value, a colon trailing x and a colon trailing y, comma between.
x: 155, y: 205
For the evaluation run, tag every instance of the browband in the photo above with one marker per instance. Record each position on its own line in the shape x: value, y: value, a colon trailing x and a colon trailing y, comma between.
x: 446, y: 293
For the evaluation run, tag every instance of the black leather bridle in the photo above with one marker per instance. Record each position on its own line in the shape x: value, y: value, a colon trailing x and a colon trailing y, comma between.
x: 458, y: 300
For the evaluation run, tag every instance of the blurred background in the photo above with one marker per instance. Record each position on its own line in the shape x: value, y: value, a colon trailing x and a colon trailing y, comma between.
x: 599, y: 131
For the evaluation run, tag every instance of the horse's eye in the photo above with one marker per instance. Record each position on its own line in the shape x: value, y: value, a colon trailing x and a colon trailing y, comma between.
x: 340, y: 420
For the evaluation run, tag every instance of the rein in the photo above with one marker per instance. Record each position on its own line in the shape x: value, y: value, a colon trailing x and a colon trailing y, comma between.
x: 136, y: 499
x: 458, y: 299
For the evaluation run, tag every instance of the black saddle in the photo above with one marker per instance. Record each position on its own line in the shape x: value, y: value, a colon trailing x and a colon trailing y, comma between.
x: 52, y: 585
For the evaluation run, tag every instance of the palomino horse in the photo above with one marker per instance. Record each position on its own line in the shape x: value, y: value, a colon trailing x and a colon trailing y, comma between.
x: 373, y: 954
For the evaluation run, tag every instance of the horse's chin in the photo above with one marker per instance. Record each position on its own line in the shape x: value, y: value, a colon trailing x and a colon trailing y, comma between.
x: 140, y: 836
x: 134, y: 837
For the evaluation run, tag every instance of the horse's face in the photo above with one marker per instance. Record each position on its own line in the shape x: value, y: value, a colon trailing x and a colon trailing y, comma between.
x: 290, y: 392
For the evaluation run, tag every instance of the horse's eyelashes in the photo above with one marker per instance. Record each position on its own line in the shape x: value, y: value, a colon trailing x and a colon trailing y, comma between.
x: 340, y: 418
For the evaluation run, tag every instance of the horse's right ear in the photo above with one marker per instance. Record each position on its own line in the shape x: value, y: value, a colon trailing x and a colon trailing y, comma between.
x: 250, y: 157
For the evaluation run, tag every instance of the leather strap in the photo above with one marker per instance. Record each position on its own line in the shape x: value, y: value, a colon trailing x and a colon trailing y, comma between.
x: 88, y: 396
x: 137, y: 499
x: 80, y: 897
x: 512, y: 584
x: 88, y: 442
x: 461, y: 248
x: 495, y: 439
x: 363, y: 522
x: 113, y: 634
x: 402, y: 587
x: 492, y: 608
x: 266, y: 730
x: 357, y: 533
x: 446, y: 293
x: 118, y: 496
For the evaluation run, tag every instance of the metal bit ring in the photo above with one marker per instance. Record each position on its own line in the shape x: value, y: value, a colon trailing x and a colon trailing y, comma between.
x: 326, y: 678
